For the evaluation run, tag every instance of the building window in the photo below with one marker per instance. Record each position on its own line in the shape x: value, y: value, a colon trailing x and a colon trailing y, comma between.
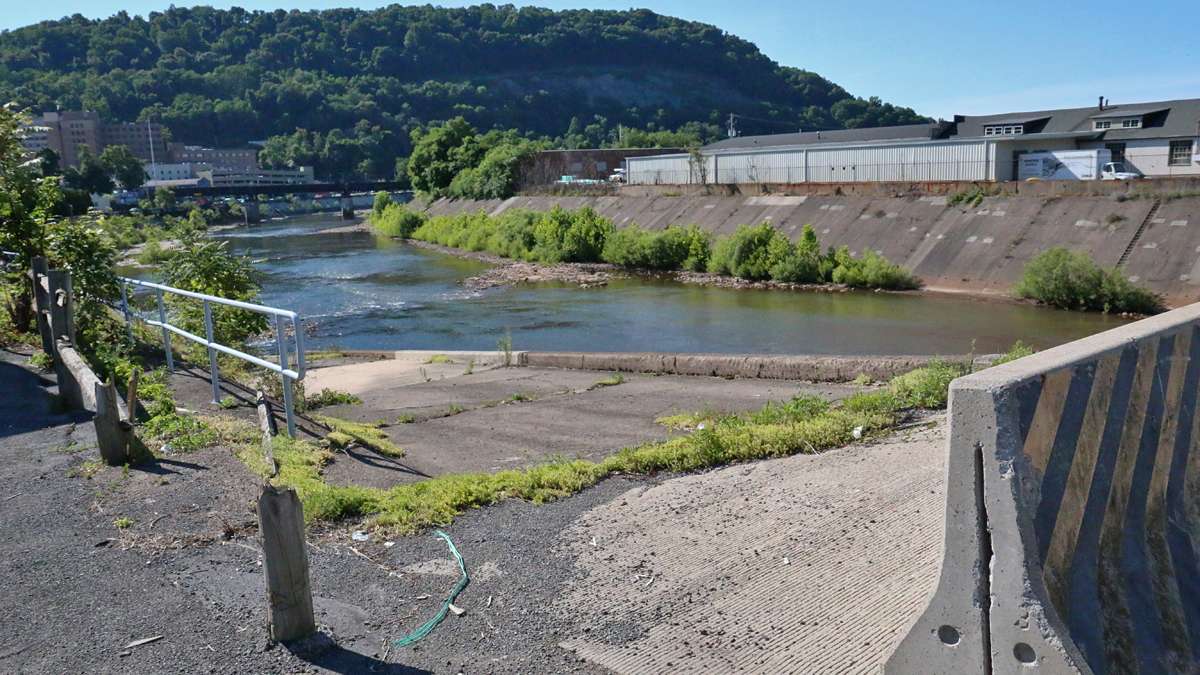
x: 1181, y: 153
x: 1004, y: 130
x: 1102, y: 124
x: 1117, y: 150
x: 1134, y: 123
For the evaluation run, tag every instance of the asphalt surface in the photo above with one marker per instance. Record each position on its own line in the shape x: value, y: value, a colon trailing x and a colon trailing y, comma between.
x: 554, y: 587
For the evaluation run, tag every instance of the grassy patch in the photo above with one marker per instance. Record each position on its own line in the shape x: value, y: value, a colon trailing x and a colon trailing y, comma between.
x: 440, y: 358
x: 228, y: 403
x: 328, y: 397
x: 87, y: 469
x: 123, y: 523
x: 805, y: 424
x: 42, y: 361
x: 519, y: 397
x: 368, y: 435
x: 406, y: 418
x: 454, y: 409
x: 610, y: 381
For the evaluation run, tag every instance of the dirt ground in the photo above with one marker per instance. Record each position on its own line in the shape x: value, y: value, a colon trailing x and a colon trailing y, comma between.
x: 94, y: 559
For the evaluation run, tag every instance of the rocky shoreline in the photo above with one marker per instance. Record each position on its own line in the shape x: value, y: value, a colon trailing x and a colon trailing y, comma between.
x: 508, y: 272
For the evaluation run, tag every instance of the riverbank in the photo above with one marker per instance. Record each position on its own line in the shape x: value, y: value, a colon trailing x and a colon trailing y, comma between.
x: 980, y: 250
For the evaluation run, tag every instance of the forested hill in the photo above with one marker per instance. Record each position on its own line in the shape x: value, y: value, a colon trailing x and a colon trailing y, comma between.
x: 220, y: 77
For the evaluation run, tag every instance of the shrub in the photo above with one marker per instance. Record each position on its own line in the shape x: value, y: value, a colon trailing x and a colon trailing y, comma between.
x: 1072, y: 280
x: 804, y: 263
x: 566, y: 236
x: 671, y: 249
x: 750, y: 252
x: 871, y: 271
x: 395, y: 220
x: 382, y: 201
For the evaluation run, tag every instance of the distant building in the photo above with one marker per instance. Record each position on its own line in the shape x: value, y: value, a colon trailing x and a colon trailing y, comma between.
x: 170, y: 172
x: 225, y: 178
x: 550, y: 166
x: 1155, y: 139
x: 67, y: 132
x: 225, y: 159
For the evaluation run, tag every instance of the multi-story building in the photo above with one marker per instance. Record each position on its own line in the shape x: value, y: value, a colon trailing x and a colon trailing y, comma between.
x: 225, y: 159
x: 67, y: 132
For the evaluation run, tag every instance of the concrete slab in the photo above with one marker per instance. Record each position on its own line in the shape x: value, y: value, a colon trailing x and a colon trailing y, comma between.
x: 568, y: 417
x: 406, y: 367
x: 813, y: 564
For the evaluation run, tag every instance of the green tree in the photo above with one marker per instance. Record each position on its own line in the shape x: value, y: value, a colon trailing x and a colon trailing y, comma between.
x: 92, y: 175
x: 164, y: 199
x: 440, y: 153
x: 206, y: 266
x: 49, y: 162
x: 26, y: 205
x: 124, y: 166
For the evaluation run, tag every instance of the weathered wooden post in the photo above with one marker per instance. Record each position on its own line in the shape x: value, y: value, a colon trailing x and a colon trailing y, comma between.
x: 39, y: 270
x: 114, y: 434
x: 62, y: 306
x: 285, y: 563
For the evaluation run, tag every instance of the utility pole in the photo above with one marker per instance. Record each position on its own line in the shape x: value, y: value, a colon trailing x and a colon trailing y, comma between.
x: 732, y: 125
x: 150, y: 137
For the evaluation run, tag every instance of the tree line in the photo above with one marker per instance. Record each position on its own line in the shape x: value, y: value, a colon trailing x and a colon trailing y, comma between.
x: 344, y: 89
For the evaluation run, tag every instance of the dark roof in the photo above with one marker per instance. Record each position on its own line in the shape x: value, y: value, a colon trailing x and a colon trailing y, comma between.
x: 866, y: 135
x: 1161, y: 119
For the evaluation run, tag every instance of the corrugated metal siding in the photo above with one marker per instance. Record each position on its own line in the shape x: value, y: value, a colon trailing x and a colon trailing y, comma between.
x: 824, y: 164
x: 661, y: 170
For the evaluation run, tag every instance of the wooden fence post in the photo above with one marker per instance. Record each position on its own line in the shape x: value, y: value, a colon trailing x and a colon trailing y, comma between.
x: 39, y: 269
x: 285, y: 563
x: 62, y: 307
x: 118, y: 443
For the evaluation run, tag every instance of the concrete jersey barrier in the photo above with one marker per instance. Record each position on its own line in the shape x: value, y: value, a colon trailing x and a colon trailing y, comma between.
x: 1072, y: 508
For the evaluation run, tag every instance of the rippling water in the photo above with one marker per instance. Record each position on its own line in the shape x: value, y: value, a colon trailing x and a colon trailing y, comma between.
x: 357, y: 291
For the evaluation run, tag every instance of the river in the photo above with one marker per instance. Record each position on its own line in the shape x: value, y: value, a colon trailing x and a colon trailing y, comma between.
x: 358, y: 291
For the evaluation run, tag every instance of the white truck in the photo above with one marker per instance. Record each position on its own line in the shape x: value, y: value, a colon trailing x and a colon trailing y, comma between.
x: 1072, y: 165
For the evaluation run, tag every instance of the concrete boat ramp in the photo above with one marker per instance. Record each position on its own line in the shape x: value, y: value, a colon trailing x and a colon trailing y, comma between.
x: 813, y: 563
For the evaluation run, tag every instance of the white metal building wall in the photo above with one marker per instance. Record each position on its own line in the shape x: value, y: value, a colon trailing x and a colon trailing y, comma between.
x: 660, y: 170
x: 931, y: 161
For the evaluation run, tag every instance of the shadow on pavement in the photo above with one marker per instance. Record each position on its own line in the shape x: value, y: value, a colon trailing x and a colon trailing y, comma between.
x: 321, y: 651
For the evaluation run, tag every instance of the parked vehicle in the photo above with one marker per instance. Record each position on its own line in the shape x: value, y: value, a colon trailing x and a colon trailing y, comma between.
x: 1066, y: 165
x: 1118, y: 171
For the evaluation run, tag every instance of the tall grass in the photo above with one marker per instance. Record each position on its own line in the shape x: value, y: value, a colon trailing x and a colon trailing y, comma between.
x: 803, y: 425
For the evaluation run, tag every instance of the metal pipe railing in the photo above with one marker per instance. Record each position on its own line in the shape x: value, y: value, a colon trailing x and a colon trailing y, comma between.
x: 7, y: 258
x: 280, y: 319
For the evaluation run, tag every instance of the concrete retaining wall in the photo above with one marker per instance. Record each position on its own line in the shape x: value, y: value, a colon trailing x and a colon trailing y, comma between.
x: 980, y: 249
x: 805, y: 368
x: 1071, y: 516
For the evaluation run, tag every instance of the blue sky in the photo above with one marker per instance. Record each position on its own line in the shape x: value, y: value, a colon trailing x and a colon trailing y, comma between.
x: 939, y: 58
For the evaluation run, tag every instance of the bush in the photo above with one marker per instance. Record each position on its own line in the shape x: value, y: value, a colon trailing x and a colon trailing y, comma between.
x: 570, y: 236
x: 395, y: 220
x: 804, y: 263
x: 1072, y: 280
x: 380, y: 204
x: 205, y: 266
x: 750, y: 252
x: 871, y: 271
x: 671, y: 249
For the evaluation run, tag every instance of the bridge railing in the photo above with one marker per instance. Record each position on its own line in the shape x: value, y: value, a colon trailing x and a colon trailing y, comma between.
x: 279, y: 317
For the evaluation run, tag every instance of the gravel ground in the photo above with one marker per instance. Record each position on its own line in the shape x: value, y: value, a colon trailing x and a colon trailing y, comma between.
x: 188, y: 568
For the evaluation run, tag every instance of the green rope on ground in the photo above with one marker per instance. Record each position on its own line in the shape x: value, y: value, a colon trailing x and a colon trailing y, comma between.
x: 427, y: 627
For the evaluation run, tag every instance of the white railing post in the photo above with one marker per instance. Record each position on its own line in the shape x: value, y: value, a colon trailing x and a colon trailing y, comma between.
x: 213, y: 375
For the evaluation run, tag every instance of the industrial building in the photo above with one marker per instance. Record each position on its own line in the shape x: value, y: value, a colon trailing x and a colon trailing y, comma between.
x: 1155, y: 139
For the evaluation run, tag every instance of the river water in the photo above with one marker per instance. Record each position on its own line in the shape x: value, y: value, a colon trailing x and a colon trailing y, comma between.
x: 358, y: 291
